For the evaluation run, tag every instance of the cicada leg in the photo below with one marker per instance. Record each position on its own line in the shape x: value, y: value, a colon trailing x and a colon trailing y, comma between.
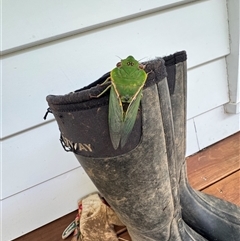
x: 109, y: 86
x: 105, y: 81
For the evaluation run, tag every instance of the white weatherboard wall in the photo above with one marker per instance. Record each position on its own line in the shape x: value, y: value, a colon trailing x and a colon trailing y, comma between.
x: 52, y: 47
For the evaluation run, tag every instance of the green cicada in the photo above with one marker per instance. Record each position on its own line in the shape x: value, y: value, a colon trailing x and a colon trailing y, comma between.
x: 127, y: 81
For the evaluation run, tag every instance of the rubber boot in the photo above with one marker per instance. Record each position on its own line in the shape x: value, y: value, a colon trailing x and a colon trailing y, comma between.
x: 213, y: 218
x: 138, y: 181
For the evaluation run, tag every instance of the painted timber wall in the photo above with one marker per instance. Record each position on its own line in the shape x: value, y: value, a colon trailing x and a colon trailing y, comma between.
x: 54, y: 47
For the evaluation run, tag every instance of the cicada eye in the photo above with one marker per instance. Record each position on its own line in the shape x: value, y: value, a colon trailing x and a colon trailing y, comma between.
x: 118, y: 64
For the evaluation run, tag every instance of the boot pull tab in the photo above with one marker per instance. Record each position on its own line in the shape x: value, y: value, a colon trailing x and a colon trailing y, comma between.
x: 47, y: 112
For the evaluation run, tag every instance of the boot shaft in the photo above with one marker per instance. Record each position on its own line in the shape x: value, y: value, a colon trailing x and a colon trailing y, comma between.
x: 213, y: 218
x: 138, y: 181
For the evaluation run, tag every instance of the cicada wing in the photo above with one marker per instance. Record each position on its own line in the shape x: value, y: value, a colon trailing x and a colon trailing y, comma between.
x: 130, y: 118
x: 115, y: 117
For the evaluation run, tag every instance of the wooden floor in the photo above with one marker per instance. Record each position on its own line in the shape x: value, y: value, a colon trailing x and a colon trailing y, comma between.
x: 215, y: 170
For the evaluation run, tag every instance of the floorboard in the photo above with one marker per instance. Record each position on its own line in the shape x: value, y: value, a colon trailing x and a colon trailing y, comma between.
x: 214, y: 163
x: 227, y: 188
x: 215, y: 170
x: 50, y: 232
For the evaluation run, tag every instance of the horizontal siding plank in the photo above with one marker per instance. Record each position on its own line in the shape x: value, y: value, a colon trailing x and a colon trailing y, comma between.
x: 207, y: 87
x: 32, y: 158
x: 66, y: 65
x: 36, y: 21
x: 44, y: 203
x: 215, y: 125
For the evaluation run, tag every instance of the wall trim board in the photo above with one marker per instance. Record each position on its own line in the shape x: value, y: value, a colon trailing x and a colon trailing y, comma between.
x: 233, y: 64
x: 74, y: 25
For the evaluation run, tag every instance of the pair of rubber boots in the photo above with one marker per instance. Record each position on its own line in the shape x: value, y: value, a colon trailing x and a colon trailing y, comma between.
x: 145, y: 182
